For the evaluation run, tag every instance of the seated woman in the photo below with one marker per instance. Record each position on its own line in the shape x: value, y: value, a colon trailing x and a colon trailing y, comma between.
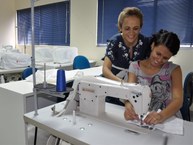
x: 163, y: 77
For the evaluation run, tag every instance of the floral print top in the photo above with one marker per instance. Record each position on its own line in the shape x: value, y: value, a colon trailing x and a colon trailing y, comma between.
x: 119, y: 53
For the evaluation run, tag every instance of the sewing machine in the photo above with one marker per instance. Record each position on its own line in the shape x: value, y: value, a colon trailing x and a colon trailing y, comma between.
x: 87, y: 119
x: 90, y: 92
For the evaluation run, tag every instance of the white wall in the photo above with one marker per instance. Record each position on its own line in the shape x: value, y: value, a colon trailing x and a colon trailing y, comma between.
x: 83, y: 29
x: 185, y: 59
x: 7, y: 22
x: 21, y: 4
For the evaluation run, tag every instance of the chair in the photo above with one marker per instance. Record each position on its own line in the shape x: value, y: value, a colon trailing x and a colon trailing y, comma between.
x: 27, y: 72
x: 80, y: 62
x: 188, y: 95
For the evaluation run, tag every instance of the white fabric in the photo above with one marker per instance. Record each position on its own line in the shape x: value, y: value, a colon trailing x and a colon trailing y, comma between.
x: 172, y: 125
x: 13, y: 59
x: 70, y: 74
x: 43, y: 55
x: 123, y: 74
x: 62, y: 54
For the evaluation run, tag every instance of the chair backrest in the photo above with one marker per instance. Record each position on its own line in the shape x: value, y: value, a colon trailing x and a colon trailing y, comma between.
x: 188, y: 95
x: 80, y: 62
x: 27, y: 72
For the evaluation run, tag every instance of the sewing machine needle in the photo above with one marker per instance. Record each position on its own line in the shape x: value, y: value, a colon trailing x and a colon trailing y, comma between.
x: 74, y: 117
x: 141, y: 120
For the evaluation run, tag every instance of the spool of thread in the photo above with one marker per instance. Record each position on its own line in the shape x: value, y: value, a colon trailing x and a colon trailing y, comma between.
x: 61, y: 81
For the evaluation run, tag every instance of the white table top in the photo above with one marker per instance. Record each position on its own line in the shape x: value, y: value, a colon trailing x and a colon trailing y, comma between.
x: 16, y: 70
x: 40, y: 65
x: 70, y: 74
x: 25, y: 87
x: 91, y: 130
x: 58, y: 65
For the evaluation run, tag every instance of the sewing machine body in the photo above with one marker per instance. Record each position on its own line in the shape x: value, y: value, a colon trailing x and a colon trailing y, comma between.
x: 90, y: 92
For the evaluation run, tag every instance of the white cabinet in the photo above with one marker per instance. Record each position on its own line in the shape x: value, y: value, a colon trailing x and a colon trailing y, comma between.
x: 16, y: 99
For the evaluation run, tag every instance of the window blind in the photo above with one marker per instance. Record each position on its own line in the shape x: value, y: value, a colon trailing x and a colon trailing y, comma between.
x: 51, y: 24
x: 174, y: 15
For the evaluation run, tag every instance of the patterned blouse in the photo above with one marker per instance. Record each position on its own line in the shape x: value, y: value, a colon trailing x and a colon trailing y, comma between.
x: 120, y: 54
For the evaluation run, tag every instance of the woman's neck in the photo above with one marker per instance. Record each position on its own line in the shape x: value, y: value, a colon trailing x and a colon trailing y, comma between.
x: 148, y: 68
x: 130, y: 45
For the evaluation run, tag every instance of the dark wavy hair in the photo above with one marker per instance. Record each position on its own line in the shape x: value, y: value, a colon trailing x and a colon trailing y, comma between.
x: 169, y: 39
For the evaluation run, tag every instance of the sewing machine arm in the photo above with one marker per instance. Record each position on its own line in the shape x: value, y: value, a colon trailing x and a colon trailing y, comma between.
x: 90, y: 92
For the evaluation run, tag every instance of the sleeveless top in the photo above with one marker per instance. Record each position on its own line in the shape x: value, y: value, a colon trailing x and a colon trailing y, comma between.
x: 159, y: 83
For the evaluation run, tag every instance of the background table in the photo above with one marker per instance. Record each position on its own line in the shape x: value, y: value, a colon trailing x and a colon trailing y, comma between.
x: 16, y: 99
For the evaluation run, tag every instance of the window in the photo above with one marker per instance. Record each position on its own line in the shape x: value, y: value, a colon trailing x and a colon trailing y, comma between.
x: 51, y: 24
x: 174, y: 15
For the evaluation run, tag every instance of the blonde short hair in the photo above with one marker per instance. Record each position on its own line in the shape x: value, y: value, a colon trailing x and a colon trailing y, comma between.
x: 130, y: 11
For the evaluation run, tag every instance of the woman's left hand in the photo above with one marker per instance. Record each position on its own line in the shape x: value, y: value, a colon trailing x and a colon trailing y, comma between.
x: 153, y: 118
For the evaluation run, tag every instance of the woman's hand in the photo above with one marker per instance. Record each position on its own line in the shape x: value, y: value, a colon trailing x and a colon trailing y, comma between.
x: 129, y: 113
x: 153, y: 118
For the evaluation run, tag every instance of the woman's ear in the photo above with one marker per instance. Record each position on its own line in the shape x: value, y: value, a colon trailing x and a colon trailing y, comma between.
x: 152, y: 46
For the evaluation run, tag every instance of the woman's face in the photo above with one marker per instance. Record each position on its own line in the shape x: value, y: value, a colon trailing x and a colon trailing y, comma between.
x: 130, y: 30
x: 160, y: 54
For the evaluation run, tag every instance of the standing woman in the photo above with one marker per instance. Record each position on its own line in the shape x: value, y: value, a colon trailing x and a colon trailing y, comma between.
x: 127, y: 46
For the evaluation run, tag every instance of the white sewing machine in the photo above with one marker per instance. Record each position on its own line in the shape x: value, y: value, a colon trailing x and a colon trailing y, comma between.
x: 90, y: 92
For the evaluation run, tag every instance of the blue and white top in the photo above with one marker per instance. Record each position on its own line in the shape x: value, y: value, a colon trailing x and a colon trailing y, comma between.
x: 120, y: 54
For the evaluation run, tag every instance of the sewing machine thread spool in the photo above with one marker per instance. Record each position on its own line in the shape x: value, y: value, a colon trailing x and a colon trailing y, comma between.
x: 61, y: 81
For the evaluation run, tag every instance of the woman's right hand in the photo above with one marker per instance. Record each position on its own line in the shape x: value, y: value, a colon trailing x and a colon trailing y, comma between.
x: 129, y: 113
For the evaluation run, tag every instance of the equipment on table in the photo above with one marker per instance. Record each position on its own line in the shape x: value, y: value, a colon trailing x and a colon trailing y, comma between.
x: 90, y: 92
